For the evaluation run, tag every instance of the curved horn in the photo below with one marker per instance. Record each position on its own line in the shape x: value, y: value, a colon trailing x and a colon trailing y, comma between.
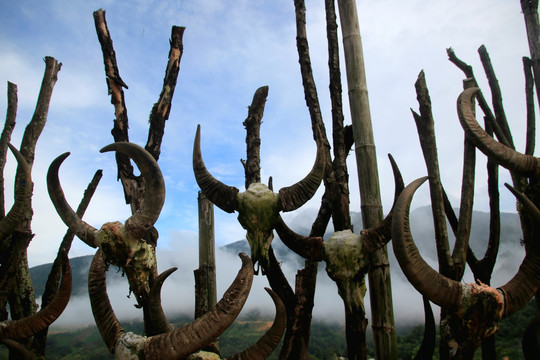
x: 436, y: 287
x: 23, y: 192
x: 311, y: 248
x: 159, y: 321
x: 223, y: 196
x: 19, y: 350
x: 270, y: 340
x: 522, y: 287
x: 181, y: 342
x: 23, y: 328
x: 108, y: 325
x: 292, y: 197
x: 526, y: 165
x: 144, y: 218
x: 379, y: 235
x: 529, y: 206
x: 85, y: 232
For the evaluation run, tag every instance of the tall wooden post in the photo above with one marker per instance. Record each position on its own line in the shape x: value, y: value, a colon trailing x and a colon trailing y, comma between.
x: 368, y: 177
x: 205, y: 276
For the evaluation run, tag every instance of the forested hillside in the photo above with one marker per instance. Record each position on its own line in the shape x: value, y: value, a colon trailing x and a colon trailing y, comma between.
x: 327, y: 340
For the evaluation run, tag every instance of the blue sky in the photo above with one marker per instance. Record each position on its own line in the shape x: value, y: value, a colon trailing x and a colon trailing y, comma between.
x: 231, y: 49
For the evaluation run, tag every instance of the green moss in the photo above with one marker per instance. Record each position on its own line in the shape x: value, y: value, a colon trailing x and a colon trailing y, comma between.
x: 347, y: 265
x: 134, y: 256
x: 258, y: 212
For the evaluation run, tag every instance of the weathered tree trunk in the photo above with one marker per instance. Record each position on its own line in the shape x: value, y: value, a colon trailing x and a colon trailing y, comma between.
x: 207, y: 256
x: 335, y: 201
x: 530, y: 13
x: 6, y: 274
x: 482, y: 269
x: 133, y: 185
x: 39, y: 342
x: 17, y: 287
x: 455, y: 340
x: 252, y: 165
x: 368, y: 176
x: 205, y: 275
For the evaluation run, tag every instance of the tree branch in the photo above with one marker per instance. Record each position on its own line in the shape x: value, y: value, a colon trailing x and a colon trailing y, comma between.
x: 426, y: 133
x: 162, y: 108
x: 51, y: 286
x: 252, y: 165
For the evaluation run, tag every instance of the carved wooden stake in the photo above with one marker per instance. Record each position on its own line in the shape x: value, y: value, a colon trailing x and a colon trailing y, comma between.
x: 205, y: 275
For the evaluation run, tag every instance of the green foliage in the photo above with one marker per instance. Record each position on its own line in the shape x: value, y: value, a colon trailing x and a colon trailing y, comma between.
x: 507, y: 339
x: 327, y: 340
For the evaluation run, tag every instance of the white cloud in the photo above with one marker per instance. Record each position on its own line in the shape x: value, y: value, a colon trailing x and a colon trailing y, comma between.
x: 229, y: 51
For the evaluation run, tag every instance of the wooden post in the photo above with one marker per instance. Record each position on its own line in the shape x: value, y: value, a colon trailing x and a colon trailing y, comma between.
x: 206, y: 297
x: 368, y: 176
x: 205, y: 275
x: 532, y: 24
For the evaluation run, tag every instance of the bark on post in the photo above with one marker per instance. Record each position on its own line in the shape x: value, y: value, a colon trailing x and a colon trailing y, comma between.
x: 252, y: 165
x: 134, y: 187
x: 6, y: 247
x: 379, y: 275
x: 206, y: 297
x: 335, y: 201
x: 529, y: 100
x: 17, y: 287
x: 24, y: 304
x: 162, y: 108
x: 451, y: 262
x: 9, y: 125
x: 530, y: 13
x: 39, y: 342
x: 426, y: 133
x: 482, y: 269
x: 205, y: 275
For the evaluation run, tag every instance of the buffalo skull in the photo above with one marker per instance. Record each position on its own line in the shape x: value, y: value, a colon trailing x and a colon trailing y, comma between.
x: 122, y: 243
x: 258, y: 207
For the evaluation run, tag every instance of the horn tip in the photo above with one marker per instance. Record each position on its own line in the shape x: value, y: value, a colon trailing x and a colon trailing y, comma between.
x: 245, y: 257
x: 63, y: 156
x: 107, y: 148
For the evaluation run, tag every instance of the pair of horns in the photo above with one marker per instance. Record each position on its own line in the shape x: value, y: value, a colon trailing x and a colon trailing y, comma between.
x: 312, y: 248
x: 137, y: 224
x: 225, y: 197
x: 446, y: 292
x: 179, y: 343
x: 31, y: 325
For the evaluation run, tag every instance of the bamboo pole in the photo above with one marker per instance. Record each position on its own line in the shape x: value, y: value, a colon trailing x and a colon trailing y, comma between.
x: 379, y: 275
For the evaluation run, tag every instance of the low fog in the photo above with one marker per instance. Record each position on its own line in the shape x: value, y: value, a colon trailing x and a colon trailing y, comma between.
x: 182, y: 252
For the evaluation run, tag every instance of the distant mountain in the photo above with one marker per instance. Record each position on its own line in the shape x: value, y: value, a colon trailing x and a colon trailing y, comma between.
x: 510, y: 254
x: 79, y: 270
x: 421, y: 228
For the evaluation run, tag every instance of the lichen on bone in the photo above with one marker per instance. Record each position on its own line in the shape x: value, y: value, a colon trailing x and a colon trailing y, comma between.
x: 134, y: 256
x: 346, y: 264
x: 129, y: 346
x: 258, y: 212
